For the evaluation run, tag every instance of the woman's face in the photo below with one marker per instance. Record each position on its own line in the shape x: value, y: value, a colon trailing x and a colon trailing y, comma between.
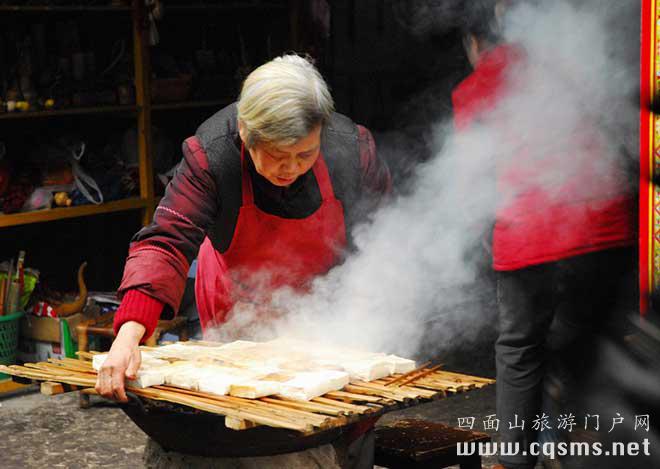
x: 283, y: 164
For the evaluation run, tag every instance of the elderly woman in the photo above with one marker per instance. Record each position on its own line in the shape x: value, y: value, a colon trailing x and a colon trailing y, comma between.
x: 264, y: 197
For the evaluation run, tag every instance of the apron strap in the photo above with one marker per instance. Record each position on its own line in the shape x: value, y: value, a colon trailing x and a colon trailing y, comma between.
x: 246, y: 187
x: 323, y: 179
x: 320, y: 173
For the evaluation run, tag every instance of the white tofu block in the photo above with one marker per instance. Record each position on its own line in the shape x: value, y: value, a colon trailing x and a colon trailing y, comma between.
x: 219, y: 380
x: 149, y: 377
x: 185, y: 378
x: 238, y: 345
x: 216, y: 384
x: 367, y: 370
x: 400, y: 365
x: 308, y: 385
x: 182, y: 351
x: 254, y: 389
x: 148, y: 362
x: 176, y: 367
x: 98, y: 360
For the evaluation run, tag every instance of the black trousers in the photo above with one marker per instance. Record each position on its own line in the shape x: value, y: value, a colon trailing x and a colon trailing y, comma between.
x: 553, y: 312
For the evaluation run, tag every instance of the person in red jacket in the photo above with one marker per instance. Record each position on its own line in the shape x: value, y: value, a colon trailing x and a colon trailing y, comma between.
x: 264, y: 197
x: 558, y: 248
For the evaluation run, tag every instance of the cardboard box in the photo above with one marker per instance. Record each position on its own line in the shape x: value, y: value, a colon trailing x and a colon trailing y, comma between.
x: 45, y: 329
x: 42, y: 338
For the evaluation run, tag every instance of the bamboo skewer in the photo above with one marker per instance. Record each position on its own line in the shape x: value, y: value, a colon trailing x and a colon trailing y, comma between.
x: 438, y: 388
x: 87, y: 355
x: 374, y: 392
x: 410, y: 373
x: 418, y: 376
x: 355, y: 397
x: 405, y: 394
x: 305, y: 405
x: 60, y: 369
x: 72, y: 363
x: 459, y: 376
x: 446, y: 384
x: 358, y: 409
x: 419, y: 391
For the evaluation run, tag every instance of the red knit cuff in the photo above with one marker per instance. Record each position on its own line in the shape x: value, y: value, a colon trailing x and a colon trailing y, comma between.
x: 139, y: 307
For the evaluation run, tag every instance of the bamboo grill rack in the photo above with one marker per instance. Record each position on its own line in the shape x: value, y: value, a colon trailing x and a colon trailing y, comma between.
x: 355, y: 402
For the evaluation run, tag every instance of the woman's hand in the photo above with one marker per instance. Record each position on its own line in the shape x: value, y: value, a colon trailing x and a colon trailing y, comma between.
x: 123, y: 362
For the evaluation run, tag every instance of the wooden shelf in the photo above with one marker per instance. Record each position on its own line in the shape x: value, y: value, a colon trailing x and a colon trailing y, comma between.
x: 130, y: 109
x: 63, y: 8
x: 39, y: 216
x: 191, y: 104
x: 226, y: 6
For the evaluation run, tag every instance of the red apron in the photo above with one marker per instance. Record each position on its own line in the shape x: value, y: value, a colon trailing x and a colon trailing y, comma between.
x: 268, y: 252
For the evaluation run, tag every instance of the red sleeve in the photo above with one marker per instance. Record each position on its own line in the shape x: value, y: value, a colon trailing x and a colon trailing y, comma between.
x: 482, y: 90
x: 376, y: 177
x: 160, y: 254
x: 470, y: 99
x: 139, y: 307
x: 462, y: 110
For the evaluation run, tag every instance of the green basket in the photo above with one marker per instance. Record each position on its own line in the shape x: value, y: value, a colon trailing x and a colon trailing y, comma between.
x: 9, y: 339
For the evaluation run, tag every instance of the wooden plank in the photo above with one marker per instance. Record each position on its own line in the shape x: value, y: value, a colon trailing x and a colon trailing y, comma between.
x: 225, y: 6
x: 239, y: 424
x: 129, y: 110
x: 50, y: 388
x: 219, y: 103
x: 38, y: 216
x: 63, y: 9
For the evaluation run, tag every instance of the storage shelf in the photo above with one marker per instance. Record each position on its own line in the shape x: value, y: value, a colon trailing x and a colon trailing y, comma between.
x: 63, y: 9
x: 69, y: 112
x: 191, y: 104
x: 226, y: 6
x: 39, y: 216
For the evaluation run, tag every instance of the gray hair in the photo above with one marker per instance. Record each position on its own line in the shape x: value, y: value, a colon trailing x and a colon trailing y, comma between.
x: 282, y: 101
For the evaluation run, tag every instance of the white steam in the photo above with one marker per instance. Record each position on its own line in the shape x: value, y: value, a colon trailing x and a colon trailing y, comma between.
x: 416, y: 261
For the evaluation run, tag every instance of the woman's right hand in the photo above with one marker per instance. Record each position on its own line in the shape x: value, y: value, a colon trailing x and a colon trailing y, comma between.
x: 123, y: 362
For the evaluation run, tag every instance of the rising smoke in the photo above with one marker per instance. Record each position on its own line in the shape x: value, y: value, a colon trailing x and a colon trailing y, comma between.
x: 416, y: 260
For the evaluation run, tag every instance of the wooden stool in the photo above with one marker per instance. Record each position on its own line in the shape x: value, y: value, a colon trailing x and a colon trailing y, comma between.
x: 417, y: 444
x: 103, y: 326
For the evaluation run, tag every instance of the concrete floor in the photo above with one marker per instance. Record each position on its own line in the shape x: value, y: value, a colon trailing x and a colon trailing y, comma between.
x: 41, y: 431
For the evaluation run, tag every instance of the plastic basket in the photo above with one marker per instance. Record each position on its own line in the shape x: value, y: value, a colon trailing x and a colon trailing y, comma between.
x: 9, y: 339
